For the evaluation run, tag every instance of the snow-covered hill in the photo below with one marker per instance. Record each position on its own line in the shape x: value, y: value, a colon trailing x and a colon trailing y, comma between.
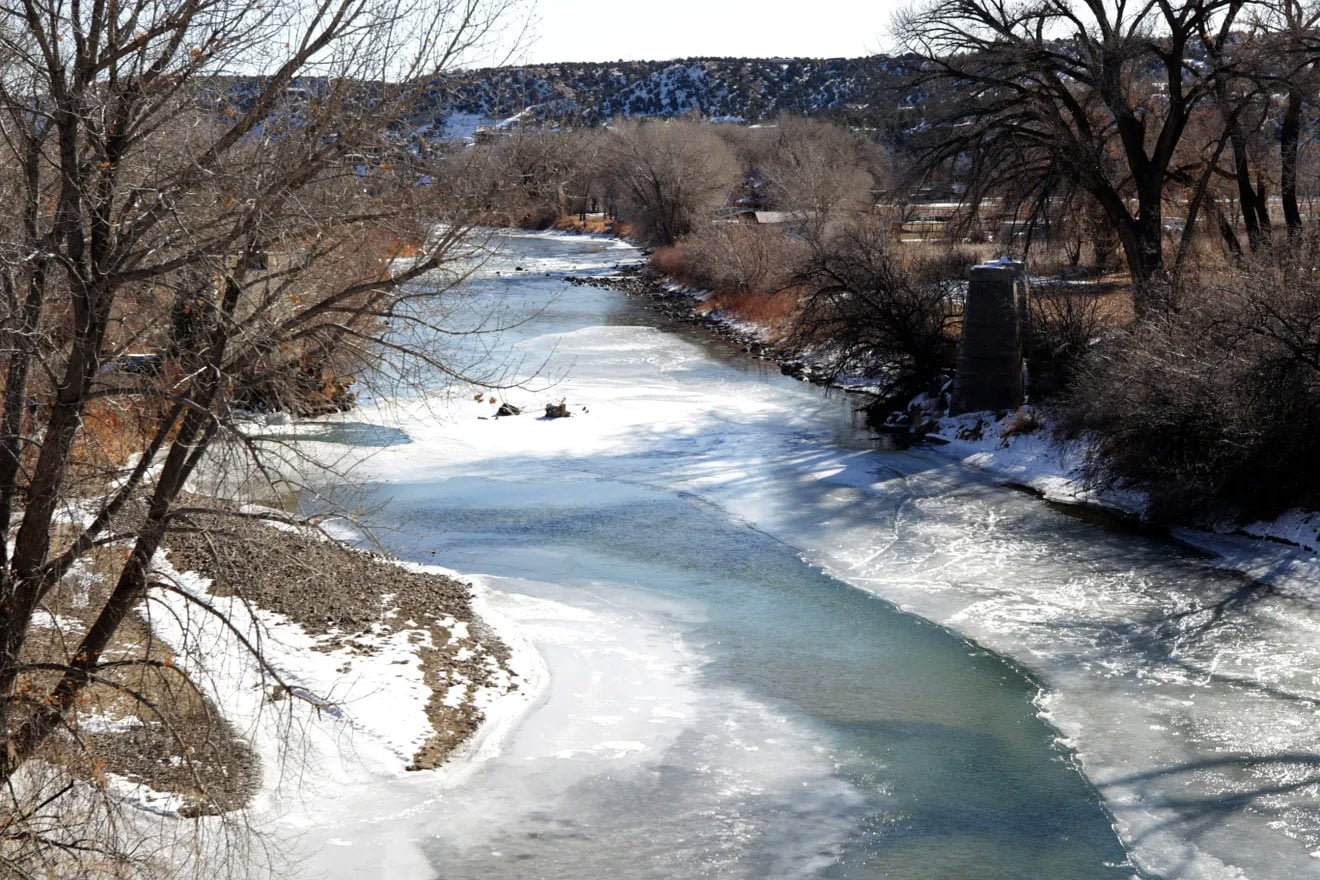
x: 744, y: 89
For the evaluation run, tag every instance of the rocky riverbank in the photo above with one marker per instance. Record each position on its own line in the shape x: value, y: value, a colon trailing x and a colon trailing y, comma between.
x: 680, y: 305
x: 348, y: 599
x: 182, y: 748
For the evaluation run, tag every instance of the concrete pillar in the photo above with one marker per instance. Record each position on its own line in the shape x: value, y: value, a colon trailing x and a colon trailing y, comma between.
x: 993, y: 333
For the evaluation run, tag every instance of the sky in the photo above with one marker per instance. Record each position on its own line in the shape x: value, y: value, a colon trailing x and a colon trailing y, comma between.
x: 601, y: 30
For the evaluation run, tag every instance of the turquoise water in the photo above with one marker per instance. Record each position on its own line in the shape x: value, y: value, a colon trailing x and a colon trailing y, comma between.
x: 721, y: 708
x: 943, y: 767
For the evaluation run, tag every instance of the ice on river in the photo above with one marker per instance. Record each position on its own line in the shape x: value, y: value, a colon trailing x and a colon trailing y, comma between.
x: 629, y: 760
x: 1190, y: 696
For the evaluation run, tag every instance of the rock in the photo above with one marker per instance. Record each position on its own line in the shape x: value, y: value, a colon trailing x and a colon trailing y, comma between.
x: 507, y: 409
x: 557, y: 410
x: 796, y: 369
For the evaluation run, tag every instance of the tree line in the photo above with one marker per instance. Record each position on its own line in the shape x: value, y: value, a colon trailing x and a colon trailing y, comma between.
x: 172, y: 251
x: 1196, y: 110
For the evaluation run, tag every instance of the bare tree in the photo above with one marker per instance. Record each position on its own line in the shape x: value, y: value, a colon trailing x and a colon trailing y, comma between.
x: 874, y: 315
x: 1286, y: 60
x: 818, y: 169
x: 1089, y: 93
x: 527, y: 178
x: 670, y: 175
x: 207, y: 186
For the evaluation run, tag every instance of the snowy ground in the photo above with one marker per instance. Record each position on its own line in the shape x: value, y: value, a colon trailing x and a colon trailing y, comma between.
x: 335, y: 798
x: 1193, y: 720
x: 1279, y: 552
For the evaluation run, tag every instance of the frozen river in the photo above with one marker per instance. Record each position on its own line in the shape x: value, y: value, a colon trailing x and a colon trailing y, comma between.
x: 766, y: 648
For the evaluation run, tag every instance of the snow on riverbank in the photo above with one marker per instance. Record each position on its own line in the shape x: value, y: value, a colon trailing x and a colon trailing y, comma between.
x: 1035, y: 459
x: 1279, y: 552
x: 336, y: 723
x: 1161, y: 692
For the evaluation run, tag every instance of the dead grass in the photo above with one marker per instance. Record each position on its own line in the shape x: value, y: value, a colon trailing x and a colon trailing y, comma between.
x: 776, y: 310
x: 402, y: 250
x: 592, y: 224
x: 145, y: 721
x: 1024, y: 422
x: 1109, y: 295
x: 907, y: 251
x: 112, y: 433
x: 668, y: 261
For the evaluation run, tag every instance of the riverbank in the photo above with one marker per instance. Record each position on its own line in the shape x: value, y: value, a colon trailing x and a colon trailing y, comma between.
x: 675, y: 302
x: 293, y: 645
x: 713, y: 690
x: 358, y: 606
x: 1019, y: 449
x: 1279, y: 554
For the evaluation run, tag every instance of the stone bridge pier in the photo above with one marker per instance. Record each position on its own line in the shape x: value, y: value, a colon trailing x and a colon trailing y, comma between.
x: 994, y: 329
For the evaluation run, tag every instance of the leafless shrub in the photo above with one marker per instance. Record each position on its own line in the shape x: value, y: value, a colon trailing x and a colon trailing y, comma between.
x: 669, y: 260
x: 871, y: 314
x: 1065, y: 321
x: 739, y: 258
x: 1214, y: 410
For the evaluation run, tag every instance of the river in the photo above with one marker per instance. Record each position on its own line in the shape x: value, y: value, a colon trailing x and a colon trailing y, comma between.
x: 765, y: 647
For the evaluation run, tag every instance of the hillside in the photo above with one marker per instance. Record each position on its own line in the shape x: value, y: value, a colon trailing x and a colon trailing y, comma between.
x: 741, y: 89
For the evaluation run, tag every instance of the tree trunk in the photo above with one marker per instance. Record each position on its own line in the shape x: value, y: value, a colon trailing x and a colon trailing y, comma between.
x: 1247, y: 195
x: 1229, y: 236
x: 1289, y: 135
x: 186, y: 451
x: 1144, y: 247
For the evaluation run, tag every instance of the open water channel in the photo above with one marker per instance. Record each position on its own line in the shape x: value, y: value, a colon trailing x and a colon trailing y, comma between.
x: 771, y: 649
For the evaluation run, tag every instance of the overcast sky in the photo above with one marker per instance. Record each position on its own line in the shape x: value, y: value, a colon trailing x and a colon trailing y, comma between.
x: 608, y: 30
